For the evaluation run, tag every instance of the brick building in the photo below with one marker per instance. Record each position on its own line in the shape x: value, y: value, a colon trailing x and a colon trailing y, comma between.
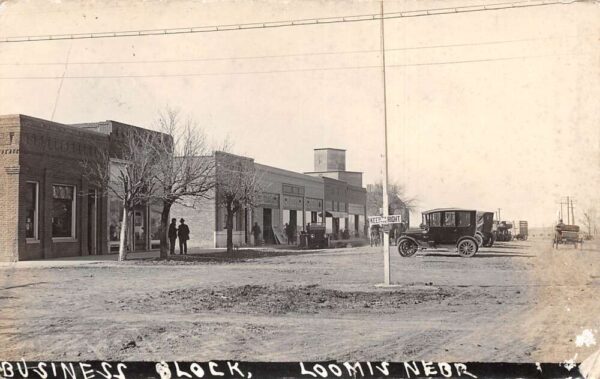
x: 48, y: 209
x: 286, y: 197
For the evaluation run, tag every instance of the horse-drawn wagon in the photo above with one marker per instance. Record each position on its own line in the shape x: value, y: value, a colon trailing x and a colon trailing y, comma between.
x: 566, y: 235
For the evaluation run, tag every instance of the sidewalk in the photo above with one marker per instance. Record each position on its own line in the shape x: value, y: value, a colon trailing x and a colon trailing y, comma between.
x: 135, y: 256
x: 95, y: 259
x: 248, y: 252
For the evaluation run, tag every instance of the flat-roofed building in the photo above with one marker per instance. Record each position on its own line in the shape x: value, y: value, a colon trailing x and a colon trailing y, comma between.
x: 48, y: 209
x: 285, y: 197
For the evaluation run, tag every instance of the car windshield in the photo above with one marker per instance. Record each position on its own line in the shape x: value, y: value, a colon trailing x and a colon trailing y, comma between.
x: 435, y: 219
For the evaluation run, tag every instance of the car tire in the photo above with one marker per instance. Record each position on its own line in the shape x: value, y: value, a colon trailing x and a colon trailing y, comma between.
x: 407, y: 248
x: 467, y: 247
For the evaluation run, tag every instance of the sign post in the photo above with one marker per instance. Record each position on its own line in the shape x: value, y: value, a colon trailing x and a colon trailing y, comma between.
x: 386, y: 240
x: 386, y: 221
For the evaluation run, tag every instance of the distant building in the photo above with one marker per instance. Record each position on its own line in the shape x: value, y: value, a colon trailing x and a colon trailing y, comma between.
x: 286, y: 197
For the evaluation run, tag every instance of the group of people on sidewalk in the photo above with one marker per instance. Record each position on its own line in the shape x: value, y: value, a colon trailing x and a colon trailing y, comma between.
x: 182, y: 232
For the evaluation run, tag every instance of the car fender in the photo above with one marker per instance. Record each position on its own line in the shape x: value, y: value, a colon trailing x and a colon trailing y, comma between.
x: 468, y: 238
x: 402, y: 238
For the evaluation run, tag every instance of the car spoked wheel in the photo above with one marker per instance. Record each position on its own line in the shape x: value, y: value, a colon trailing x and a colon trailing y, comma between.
x: 467, y: 248
x: 407, y: 248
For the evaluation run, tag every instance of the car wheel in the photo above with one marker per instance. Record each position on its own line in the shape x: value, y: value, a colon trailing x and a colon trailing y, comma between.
x: 467, y: 248
x: 407, y: 248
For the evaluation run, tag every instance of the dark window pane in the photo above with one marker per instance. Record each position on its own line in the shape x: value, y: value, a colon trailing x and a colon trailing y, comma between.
x: 30, y: 210
x: 449, y: 219
x: 436, y: 219
x: 464, y: 218
x: 62, y: 211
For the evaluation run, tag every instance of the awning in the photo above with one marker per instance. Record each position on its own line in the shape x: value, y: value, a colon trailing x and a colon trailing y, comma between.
x: 334, y: 214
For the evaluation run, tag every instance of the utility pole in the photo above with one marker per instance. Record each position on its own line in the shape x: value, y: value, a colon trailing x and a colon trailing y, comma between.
x: 386, y: 239
x: 572, y: 212
x: 561, y: 209
x: 568, y: 213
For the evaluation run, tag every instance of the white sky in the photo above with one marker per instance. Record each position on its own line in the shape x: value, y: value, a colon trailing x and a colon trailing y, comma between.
x: 515, y: 134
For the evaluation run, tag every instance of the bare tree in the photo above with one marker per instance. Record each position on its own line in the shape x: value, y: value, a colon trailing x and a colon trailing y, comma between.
x: 184, y: 169
x: 237, y: 188
x: 397, y: 201
x: 589, y: 220
x: 127, y: 176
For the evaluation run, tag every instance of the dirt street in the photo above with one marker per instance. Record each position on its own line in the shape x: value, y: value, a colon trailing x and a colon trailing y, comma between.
x: 517, y: 301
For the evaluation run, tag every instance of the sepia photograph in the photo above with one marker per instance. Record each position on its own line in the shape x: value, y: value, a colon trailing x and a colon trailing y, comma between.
x: 299, y: 189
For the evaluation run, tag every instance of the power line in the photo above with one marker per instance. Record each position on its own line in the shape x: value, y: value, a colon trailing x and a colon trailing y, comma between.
x: 340, y: 68
x: 255, y: 57
x: 289, y: 23
x: 61, y: 83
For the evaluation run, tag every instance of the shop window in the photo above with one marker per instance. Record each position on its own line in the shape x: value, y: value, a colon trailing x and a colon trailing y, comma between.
x: 155, y: 214
x: 31, y: 210
x: 114, y: 219
x: 239, y: 219
x: 63, y: 211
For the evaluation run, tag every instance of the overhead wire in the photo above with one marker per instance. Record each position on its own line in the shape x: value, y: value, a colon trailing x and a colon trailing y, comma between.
x: 338, y: 68
x: 272, y: 56
x: 288, y: 23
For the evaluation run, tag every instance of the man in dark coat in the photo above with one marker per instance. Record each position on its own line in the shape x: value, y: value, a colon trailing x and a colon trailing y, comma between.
x: 256, y: 233
x: 172, y: 235
x: 183, y: 232
x: 287, y: 232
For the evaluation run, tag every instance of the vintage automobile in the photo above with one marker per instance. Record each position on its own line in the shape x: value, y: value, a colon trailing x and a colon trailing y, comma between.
x: 485, y: 229
x: 314, y: 238
x: 442, y: 228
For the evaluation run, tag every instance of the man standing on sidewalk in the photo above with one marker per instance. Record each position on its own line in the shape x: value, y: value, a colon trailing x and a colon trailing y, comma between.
x: 256, y: 233
x: 172, y: 235
x: 183, y: 232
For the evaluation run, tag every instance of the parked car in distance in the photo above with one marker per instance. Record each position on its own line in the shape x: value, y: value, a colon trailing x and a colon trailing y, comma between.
x: 485, y: 228
x: 523, y: 233
x: 503, y: 231
x: 442, y: 228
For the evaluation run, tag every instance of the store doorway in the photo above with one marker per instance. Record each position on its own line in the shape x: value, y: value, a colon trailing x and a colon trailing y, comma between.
x: 92, y: 223
x: 293, y: 224
x: 139, y: 228
x: 336, y: 227
x: 267, y: 226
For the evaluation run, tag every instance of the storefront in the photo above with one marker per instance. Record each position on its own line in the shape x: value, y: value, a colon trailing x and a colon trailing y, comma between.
x: 48, y: 200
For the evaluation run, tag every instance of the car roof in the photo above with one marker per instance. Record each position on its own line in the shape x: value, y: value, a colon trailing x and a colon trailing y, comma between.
x: 448, y: 210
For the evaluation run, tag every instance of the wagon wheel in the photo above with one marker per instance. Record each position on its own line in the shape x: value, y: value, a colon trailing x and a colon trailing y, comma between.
x: 467, y: 248
x: 407, y: 248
